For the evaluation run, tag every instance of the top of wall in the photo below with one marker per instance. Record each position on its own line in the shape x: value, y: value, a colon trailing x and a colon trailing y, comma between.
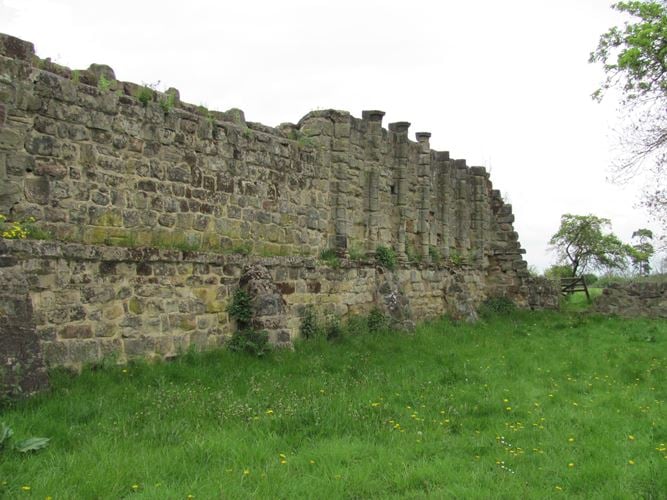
x: 103, y: 76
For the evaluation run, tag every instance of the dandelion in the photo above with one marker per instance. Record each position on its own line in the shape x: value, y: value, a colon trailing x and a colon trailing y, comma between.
x: 509, y: 408
x: 558, y: 488
x: 311, y: 462
x: 25, y: 487
x: 246, y: 472
x: 269, y: 412
x: 631, y: 462
x: 134, y: 487
x: 631, y: 437
x: 570, y: 440
x: 570, y: 465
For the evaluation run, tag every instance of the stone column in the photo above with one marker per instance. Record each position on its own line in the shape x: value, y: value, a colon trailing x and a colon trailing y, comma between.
x: 462, y: 207
x: 480, y: 217
x: 444, y: 200
x: 401, y: 144
x: 341, y: 165
x: 424, y: 179
x: 373, y: 160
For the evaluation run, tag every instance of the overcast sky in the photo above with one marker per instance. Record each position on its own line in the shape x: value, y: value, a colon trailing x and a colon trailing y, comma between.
x: 505, y: 85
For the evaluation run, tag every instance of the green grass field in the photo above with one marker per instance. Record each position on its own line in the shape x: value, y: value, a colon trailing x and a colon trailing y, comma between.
x: 532, y: 405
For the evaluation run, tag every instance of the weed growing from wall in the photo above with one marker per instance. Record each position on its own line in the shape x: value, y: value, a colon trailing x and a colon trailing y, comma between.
x: 413, y: 255
x: 145, y: 95
x: 386, y: 257
x: 329, y: 258
x: 19, y: 230
x: 167, y: 103
x: 434, y: 253
x: 356, y: 253
x: 456, y: 258
x: 103, y: 83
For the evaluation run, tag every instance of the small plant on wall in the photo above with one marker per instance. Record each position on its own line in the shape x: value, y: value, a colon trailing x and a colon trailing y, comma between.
x: 386, y: 257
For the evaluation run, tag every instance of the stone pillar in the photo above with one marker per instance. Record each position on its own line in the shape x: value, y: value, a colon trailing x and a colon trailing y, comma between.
x: 424, y: 179
x: 462, y: 207
x: 444, y: 200
x: 341, y: 166
x: 374, y: 165
x: 481, y: 215
x: 401, y: 144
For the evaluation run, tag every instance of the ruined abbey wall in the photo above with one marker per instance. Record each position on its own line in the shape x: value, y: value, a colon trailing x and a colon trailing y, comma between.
x: 106, y: 166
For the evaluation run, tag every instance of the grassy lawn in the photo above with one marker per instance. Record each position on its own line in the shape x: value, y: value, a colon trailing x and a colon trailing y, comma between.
x: 537, y: 405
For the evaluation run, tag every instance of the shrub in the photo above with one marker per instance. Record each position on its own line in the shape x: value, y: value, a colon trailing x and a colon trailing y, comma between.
x: 240, y: 308
x: 249, y: 341
x: 386, y: 257
x: 590, y: 278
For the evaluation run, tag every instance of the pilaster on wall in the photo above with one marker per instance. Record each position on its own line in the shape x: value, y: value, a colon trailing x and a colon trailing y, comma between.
x: 400, y: 145
x: 374, y: 164
x: 424, y: 180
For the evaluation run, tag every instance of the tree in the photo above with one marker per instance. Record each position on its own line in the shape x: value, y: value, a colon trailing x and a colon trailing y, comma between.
x: 642, y: 251
x: 582, y: 244
x: 634, y: 58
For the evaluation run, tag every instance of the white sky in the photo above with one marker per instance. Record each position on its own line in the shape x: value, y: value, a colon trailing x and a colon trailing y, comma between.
x: 505, y: 84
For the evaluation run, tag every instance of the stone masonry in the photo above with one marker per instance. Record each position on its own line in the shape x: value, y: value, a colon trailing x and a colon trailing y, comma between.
x: 154, y: 206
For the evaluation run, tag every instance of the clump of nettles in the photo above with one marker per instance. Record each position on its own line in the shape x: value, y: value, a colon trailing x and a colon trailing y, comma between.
x: 497, y: 306
x: 308, y: 327
x: 377, y: 321
x: 386, y: 257
x: 245, y: 338
x: 333, y: 329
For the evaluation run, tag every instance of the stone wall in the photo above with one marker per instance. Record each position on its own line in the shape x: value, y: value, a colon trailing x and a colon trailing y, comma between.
x: 634, y: 299
x: 154, y: 207
x: 91, y: 302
